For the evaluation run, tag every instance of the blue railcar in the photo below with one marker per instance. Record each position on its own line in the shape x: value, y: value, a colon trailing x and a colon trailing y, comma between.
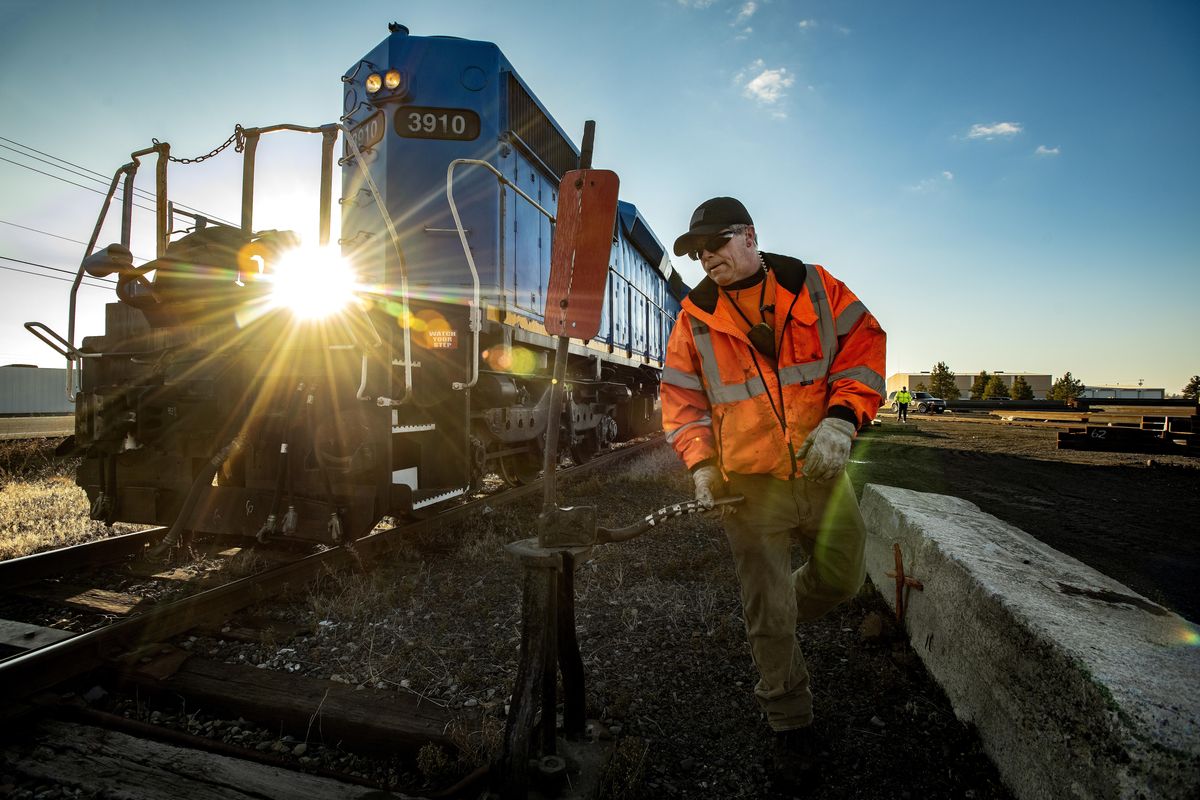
x: 212, y: 405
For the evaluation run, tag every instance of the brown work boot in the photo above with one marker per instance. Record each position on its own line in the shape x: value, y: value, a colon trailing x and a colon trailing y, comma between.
x: 796, y: 759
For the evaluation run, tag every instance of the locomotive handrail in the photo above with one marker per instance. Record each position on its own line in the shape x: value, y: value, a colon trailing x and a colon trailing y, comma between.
x: 387, y: 219
x: 476, y: 322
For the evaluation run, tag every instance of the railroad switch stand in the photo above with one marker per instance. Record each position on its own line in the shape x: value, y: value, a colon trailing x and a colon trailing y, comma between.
x: 549, y: 646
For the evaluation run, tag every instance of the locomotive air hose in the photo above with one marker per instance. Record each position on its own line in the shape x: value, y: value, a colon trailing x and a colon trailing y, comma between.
x: 202, y: 482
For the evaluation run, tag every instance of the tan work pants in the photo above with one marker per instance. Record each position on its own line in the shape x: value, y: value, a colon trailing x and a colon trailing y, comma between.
x: 825, y: 519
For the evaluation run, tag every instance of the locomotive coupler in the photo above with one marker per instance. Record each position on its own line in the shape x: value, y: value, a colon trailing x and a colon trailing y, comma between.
x: 549, y: 646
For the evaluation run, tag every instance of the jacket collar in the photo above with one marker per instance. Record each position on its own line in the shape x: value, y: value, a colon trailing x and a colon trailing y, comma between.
x: 789, y: 273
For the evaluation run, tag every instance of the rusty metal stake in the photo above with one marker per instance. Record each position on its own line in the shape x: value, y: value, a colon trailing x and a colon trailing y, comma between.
x: 902, y: 581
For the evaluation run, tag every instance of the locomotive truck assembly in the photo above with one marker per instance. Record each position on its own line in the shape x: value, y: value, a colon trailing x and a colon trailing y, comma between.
x: 245, y: 384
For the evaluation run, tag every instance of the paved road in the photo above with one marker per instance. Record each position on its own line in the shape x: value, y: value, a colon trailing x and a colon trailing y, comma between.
x: 36, y: 427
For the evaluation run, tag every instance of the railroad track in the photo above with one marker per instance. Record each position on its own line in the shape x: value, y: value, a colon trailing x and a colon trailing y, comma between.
x: 52, y: 657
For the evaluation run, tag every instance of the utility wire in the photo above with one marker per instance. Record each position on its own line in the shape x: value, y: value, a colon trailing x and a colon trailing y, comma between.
x: 56, y: 236
x: 53, y: 277
x: 64, y: 180
x: 44, y: 233
x: 102, y: 181
x: 46, y: 266
x: 106, y: 178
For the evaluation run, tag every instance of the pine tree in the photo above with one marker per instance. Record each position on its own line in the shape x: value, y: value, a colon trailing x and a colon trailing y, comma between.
x: 979, y: 384
x: 1192, y: 390
x: 921, y: 387
x: 996, y: 389
x: 1021, y: 390
x: 941, y: 382
x: 1065, y: 388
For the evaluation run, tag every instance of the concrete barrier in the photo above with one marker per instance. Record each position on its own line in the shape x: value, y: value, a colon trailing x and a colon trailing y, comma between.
x: 1079, y: 687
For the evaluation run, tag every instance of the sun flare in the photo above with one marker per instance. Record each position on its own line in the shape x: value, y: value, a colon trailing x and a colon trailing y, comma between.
x: 313, y: 282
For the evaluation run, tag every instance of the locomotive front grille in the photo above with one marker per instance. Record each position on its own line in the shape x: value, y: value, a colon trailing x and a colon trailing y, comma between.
x: 527, y: 120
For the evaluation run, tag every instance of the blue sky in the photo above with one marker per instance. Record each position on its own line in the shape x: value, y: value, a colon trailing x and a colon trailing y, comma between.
x: 1008, y: 186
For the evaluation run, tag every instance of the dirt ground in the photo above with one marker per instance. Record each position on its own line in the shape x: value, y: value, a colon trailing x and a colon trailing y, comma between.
x: 1135, y: 522
x: 669, y: 673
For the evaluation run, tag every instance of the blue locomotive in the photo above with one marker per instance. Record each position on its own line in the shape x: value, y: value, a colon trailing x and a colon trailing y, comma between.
x: 226, y: 396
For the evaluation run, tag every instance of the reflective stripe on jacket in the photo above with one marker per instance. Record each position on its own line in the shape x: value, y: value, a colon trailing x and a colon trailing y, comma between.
x: 723, y: 401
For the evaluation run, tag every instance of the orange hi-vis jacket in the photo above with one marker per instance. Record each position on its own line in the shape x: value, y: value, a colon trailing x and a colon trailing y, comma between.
x: 724, y: 402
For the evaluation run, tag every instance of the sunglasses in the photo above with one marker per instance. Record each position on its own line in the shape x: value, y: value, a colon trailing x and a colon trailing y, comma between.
x: 712, y: 244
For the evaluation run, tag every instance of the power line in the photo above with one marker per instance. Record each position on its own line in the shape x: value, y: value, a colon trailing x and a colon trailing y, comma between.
x: 46, y: 266
x: 45, y: 233
x: 105, y: 179
x: 55, y: 235
x: 64, y: 180
x: 102, y: 181
x: 53, y: 277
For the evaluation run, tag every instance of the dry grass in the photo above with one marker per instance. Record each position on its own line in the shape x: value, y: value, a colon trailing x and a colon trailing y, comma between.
x: 41, y: 508
x: 42, y: 514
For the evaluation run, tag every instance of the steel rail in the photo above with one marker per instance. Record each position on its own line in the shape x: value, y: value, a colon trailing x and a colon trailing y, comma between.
x: 25, y: 674
x: 26, y: 569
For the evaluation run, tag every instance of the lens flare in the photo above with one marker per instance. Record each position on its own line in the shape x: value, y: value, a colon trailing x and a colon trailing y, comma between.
x: 313, y: 283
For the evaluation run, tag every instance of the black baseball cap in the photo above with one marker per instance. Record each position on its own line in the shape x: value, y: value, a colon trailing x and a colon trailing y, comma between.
x: 711, y: 216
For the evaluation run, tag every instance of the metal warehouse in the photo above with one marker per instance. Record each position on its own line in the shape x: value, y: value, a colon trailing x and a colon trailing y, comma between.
x: 32, y: 390
x: 1039, y: 382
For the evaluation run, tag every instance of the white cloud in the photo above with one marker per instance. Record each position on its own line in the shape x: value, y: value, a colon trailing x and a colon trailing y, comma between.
x: 805, y: 24
x: 1042, y: 150
x: 696, y: 3
x: 746, y: 12
x: 842, y: 29
x: 743, y: 34
x: 981, y: 131
x: 931, y: 184
x: 765, y: 86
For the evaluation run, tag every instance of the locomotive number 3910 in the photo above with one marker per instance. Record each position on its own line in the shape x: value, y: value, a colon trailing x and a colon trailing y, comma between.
x: 416, y: 122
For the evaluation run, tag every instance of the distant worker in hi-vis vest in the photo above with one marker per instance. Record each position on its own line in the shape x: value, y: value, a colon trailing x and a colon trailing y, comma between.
x: 903, y: 398
x: 772, y: 367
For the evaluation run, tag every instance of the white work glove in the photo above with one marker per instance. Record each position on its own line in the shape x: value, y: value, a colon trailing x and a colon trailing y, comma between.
x: 827, y: 449
x: 709, y: 486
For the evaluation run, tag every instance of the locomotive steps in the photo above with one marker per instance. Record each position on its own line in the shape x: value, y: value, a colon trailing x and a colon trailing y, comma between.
x: 1079, y: 686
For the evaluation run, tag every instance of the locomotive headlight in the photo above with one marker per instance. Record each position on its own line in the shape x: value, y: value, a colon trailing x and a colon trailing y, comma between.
x: 312, y: 282
x: 392, y: 79
x: 373, y: 83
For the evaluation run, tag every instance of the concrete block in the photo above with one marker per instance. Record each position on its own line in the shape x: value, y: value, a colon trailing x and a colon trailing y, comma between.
x: 1079, y: 687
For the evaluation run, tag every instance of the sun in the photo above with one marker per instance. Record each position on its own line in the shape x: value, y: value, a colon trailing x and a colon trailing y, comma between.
x: 312, y: 282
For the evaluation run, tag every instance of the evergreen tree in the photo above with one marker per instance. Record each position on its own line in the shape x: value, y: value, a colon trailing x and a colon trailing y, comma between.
x: 996, y: 389
x: 1065, y: 388
x: 941, y: 382
x: 920, y: 387
x: 1192, y: 390
x: 979, y: 384
x: 1021, y: 390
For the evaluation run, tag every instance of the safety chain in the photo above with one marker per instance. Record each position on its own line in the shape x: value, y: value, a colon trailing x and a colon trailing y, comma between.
x: 238, y: 135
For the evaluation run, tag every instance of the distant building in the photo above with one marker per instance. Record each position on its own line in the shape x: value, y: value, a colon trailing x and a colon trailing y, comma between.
x: 1118, y: 391
x: 26, y: 390
x: 1039, y: 382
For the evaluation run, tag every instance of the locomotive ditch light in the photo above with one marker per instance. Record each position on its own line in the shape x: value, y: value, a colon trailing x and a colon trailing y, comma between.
x: 373, y: 83
x: 312, y: 282
x: 392, y: 78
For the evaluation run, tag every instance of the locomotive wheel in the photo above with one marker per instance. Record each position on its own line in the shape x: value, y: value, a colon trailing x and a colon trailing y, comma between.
x: 518, y: 470
x: 478, y: 463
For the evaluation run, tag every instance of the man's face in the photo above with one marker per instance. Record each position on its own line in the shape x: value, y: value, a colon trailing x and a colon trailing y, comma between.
x: 735, y: 260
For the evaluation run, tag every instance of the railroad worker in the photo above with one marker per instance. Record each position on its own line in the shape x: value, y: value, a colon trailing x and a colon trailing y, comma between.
x: 903, y: 398
x: 771, y: 368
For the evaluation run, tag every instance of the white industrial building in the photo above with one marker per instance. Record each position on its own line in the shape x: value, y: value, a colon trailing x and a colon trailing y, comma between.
x: 1038, y: 381
x: 26, y: 391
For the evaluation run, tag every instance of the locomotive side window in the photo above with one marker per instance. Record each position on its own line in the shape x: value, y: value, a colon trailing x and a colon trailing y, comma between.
x: 424, y: 122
